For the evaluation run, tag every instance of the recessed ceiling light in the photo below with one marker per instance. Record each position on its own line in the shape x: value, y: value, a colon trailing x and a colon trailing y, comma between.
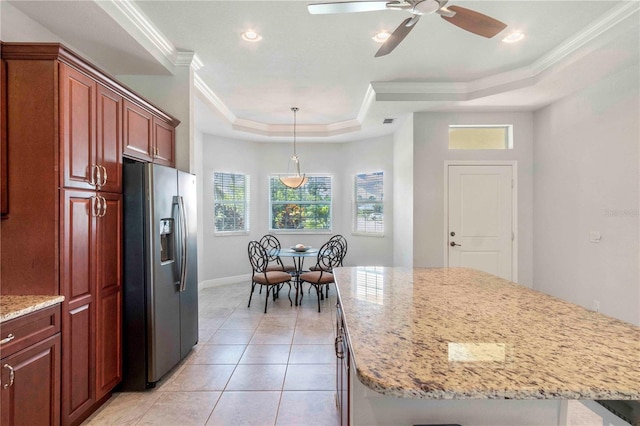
x: 381, y: 37
x: 251, y: 35
x: 513, y: 37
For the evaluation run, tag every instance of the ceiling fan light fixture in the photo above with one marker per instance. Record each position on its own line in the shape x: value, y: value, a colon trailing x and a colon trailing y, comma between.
x: 381, y: 37
x: 251, y: 36
x: 296, y: 180
x: 513, y: 37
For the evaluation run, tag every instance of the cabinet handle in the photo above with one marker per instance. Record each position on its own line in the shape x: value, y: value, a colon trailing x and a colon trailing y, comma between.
x: 7, y: 339
x: 103, y: 207
x: 104, y: 175
x: 99, y: 176
x: 92, y: 175
x: 12, y: 375
x: 94, y: 206
x: 338, y: 343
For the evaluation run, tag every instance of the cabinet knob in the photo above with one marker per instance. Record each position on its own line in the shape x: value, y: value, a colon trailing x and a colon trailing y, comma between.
x: 7, y: 339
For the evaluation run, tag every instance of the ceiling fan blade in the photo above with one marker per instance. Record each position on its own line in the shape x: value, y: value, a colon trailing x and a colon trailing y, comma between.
x: 475, y: 22
x: 397, y: 36
x: 347, y: 7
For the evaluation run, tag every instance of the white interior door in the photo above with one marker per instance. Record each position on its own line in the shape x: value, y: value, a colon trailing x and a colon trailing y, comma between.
x: 480, y: 218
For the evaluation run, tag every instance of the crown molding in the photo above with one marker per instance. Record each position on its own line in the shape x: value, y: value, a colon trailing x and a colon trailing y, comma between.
x: 506, y: 81
x: 593, y: 31
x: 133, y: 20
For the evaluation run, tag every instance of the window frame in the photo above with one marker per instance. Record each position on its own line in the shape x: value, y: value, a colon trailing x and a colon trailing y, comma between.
x: 275, y: 177
x: 508, y: 143
x: 246, y: 202
x: 355, y: 206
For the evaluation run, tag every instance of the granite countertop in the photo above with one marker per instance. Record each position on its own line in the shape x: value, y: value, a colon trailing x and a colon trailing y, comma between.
x: 14, y: 306
x: 456, y: 333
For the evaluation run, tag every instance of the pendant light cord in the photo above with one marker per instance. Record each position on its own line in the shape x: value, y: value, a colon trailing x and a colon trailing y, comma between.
x: 295, y: 110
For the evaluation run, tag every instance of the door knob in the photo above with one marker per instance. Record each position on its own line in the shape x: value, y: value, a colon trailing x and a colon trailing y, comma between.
x: 453, y: 244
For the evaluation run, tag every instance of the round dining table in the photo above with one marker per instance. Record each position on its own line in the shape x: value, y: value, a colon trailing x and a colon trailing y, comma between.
x: 298, y: 261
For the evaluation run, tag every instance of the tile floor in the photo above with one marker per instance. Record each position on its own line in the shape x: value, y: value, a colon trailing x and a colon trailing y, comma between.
x: 249, y: 368
x: 252, y: 369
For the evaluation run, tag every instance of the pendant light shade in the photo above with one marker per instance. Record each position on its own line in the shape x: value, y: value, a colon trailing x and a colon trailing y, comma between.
x: 294, y: 180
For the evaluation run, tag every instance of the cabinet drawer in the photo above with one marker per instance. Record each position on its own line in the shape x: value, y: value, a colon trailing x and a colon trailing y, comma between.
x: 29, y: 329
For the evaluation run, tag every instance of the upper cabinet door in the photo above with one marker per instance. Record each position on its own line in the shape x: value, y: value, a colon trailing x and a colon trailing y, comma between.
x: 138, y: 132
x: 77, y: 130
x: 109, y: 140
x: 164, y: 138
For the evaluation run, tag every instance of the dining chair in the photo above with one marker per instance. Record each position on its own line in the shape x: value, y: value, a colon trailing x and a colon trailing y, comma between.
x: 320, y: 277
x: 343, y: 245
x: 272, y: 245
x: 272, y: 280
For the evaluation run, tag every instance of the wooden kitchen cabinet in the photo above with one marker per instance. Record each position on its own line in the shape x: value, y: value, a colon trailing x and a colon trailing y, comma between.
x: 30, y: 375
x: 68, y: 124
x: 147, y: 137
x: 91, y: 280
x: 91, y: 133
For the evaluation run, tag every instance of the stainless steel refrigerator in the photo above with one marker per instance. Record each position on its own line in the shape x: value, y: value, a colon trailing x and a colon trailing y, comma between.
x: 160, y: 299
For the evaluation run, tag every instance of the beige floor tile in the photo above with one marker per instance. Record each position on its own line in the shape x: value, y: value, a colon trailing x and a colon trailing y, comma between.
x: 181, y: 408
x: 311, y: 335
x: 277, y: 321
x: 218, y: 354
x: 305, y: 377
x: 230, y: 337
x: 249, y: 323
x: 200, y: 378
x: 273, y: 336
x: 308, y: 408
x: 266, y: 354
x: 125, y: 408
x: 257, y: 377
x: 245, y: 408
x: 312, y: 354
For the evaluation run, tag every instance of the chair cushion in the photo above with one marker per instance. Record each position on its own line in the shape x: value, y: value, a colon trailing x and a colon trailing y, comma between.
x: 276, y: 267
x: 273, y: 277
x: 317, y: 277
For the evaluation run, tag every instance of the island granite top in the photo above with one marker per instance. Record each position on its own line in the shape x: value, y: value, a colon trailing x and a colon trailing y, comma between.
x: 457, y: 333
x: 15, y: 306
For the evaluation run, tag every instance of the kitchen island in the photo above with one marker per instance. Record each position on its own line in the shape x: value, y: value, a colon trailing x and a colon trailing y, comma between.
x: 456, y: 345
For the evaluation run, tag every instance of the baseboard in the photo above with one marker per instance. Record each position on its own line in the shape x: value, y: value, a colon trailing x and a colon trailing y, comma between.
x: 224, y: 281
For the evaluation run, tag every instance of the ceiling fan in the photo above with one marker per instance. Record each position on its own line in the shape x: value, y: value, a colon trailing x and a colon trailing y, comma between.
x: 466, y: 19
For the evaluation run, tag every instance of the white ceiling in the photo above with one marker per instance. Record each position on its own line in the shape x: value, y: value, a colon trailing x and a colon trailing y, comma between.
x: 325, y: 65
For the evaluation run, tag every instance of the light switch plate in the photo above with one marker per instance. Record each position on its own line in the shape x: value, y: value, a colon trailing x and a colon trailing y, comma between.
x: 594, y: 236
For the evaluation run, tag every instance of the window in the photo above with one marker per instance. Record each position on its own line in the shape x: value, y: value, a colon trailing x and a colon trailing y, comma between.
x: 307, y: 208
x: 498, y: 136
x: 231, y: 202
x: 369, y: 208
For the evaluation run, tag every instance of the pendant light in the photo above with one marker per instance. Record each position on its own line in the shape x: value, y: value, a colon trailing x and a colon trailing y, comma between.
x: 297, y: 180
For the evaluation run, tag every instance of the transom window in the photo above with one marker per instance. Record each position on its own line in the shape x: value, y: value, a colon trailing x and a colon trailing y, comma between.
x: 307, y: 208
x: 369, y: 203
x: 490, y: 136
x: 231, y: 202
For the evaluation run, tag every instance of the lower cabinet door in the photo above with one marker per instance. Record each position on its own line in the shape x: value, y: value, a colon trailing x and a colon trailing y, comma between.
x: 31, y: 385
x: 79, y: 211
x: 109, y: 295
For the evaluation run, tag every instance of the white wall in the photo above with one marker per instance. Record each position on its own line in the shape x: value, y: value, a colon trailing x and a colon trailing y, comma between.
x: 368, y: 156
x: 430, y: 152
x: 586, y: 179
x: 225, y: 256
x: 403, y: 189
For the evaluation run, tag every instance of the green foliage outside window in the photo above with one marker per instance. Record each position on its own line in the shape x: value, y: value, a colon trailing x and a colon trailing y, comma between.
x: 231, y: 200
x: 304, y: 208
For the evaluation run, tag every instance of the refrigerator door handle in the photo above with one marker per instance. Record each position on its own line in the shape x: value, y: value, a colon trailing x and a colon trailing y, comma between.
x: 183, y: 236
